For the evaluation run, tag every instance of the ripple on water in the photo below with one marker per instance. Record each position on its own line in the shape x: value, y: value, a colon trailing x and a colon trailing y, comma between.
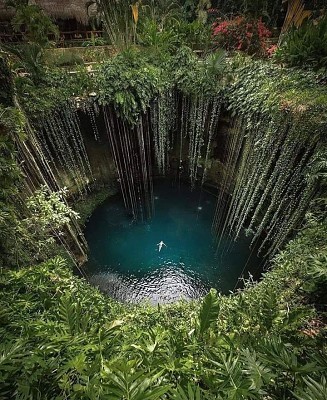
x: 164, y: 285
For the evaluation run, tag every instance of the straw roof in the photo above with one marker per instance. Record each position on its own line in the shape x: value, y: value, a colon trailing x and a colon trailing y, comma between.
x: 64, y: 9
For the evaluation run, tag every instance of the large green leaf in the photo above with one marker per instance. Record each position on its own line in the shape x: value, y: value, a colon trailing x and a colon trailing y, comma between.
x: 314, y: 390
x: 193, y: 392
x: 209, y: 310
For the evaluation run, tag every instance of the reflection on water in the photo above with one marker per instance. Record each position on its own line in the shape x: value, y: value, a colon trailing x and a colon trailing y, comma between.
x: 124, y: 260
x: 163, y: 285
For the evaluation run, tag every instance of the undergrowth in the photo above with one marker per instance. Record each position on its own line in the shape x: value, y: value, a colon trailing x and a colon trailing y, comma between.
x: 63, y: 339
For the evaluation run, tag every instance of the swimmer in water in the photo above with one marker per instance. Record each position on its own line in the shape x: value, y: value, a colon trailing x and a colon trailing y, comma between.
x: 160, y: 244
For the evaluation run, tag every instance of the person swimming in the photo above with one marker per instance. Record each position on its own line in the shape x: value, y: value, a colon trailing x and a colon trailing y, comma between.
x: 160, y: 244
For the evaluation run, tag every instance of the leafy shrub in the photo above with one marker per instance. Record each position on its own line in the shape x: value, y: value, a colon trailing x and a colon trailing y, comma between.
x: 240, y: 33
x: 129, y: 83
x: 68, y: 58
x: 63, y: 339
x: 6, y: 82
x: 34, y: 24
x: 94, y: 41
x: 195, y: 34
x: 30, y: 58
x: 151, y: 35
x: 26, y: 239
x: 305, y: 46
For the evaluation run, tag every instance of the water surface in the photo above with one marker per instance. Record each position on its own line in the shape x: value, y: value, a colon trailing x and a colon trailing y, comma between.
x: 125, y: 262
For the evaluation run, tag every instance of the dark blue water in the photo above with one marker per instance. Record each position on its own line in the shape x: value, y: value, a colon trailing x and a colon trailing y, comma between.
x: 125, y: 262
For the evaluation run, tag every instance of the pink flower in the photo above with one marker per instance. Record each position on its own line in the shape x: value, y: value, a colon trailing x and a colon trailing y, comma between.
x: 271, y: 50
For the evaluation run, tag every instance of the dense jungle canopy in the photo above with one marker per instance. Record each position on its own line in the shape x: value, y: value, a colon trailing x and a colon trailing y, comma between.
x: 233, y: 90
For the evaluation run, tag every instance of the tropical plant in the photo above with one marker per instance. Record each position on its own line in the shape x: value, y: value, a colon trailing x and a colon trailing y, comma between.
x: 201, y: 10
x: 295, y: 15
x: 63, y: 339
x: 305, y: 46
x: 117, y: 17
x: 160, y: 40
x: 28, y: 57
x: 314, y: 389
x: 34, y: 24
x: 192, y: 392
x: 194, y: 34
x: 31, y: 236
x: 129, y: 83
x: 209, y: 311
x: 6, y: 81
x: 240, y: 33
x: 271, y: 11
x: 162, y: 12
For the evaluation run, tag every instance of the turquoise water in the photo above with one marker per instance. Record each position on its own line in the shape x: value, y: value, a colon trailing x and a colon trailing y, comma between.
x: 125, y: 261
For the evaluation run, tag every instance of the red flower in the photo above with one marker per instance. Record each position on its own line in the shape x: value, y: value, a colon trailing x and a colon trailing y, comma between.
x: 271, y: 50
x: 241, y: 34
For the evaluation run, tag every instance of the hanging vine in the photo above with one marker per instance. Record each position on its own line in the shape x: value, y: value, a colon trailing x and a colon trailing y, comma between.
x: 281, y: 132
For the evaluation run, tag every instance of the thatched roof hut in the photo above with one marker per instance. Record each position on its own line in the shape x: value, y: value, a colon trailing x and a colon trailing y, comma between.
x: 63, y: 9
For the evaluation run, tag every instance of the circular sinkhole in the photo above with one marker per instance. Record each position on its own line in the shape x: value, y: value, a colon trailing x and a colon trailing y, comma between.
x: 127, y: 262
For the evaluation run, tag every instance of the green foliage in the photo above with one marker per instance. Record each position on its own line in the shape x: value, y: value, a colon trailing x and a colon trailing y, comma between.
x: 11, y: 125
x: 30, y: 58
x: 194, y: 34
x: 261, y: 88
x: 317, y: 273
x: 201, y: 10
x: 129, y: 83
x: 117, y: 18
x: 68, y: 58
x: 48, y: 209
x: 195, y: 78
x: 34, y: 24
x: 27, y: 234
x: 209, y: 311
x: 6, y: 81
x: 191, y: 393
x: 61, y: 338
x: 163, y: 40
x: 314, y: 390
x: 127, y: 382
x: 306, y: 46
x: 57, y: 88
x: 270, y: 10
x: 162, y: 27
x: 35, y: 27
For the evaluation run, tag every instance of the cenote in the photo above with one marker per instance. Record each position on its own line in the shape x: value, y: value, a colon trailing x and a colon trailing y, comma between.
x: 124, y: 257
